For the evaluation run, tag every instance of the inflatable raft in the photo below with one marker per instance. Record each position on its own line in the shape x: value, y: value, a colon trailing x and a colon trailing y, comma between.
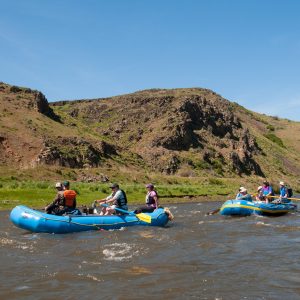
x: 37, y: 221
x: 247, y: 208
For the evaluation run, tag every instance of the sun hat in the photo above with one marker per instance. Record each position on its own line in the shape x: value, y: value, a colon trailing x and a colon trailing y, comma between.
x: 259, y: 188
x: 58, y: 185
x: 243, y: 190
x: 281, y: 183
x: 241, y: 187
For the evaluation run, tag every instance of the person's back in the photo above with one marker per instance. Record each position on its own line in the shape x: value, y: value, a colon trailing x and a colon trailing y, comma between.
x: 69, y: 196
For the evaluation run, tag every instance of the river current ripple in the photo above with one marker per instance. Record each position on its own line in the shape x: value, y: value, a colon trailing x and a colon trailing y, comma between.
x: 195, y: 257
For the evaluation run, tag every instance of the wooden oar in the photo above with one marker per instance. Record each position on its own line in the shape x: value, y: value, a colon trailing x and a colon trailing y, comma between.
x: 213, y: 212
x: 284, y: 198
x: 143, y: 217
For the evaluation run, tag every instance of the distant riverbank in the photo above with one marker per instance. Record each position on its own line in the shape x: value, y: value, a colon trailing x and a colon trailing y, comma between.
x: 38, y: 194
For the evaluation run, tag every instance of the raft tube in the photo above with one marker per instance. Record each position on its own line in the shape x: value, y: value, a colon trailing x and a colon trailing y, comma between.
x: 37, y: 221
x: 247, y: 208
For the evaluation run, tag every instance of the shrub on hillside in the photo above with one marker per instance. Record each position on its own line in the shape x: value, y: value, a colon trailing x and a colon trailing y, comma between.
x: 275, y: 139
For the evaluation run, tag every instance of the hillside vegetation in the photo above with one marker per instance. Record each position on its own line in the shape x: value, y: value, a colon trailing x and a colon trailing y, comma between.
x: 171, y: 137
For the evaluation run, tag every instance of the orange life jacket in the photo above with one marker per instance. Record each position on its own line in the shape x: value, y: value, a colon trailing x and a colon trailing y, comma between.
x: 70, y: 197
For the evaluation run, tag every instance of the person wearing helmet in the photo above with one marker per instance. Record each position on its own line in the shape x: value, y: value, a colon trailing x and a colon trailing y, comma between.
x: 244, y: 195
x: 118, y: 199
x: 57, y: 205
x: 151, y: 200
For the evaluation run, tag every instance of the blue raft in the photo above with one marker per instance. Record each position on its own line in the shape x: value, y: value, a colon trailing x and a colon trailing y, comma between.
x: 247, y: 208
x: 37, y: 221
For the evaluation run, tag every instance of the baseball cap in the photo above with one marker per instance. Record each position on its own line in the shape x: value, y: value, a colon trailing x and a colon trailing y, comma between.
x: 114, y: 185
x: 58, y: 185
x: 66, y: 183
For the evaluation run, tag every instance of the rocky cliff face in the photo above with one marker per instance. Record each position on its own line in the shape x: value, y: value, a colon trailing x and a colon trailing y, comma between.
x: 161, y: 125
x: 181, y: 131
x: 74, y: 152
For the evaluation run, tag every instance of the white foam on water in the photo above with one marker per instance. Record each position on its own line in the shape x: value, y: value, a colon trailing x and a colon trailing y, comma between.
x: 119, y: 252
x: 89, y: 276
x: 22, y: 287
x: 91, y: 262
x: 5, y: 241
x: 262, y: 223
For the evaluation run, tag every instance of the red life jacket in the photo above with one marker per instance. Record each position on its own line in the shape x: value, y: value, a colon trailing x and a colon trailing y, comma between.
x: 70, y: 197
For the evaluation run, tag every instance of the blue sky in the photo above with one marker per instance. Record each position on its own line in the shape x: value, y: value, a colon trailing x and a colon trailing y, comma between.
x: 246, y: 50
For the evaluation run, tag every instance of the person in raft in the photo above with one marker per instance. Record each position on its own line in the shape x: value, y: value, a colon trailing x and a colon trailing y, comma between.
x: 244, y: 195
x: 57, y: 205
x: 283, y: 192
x: 70, y: 198
x: 259, y: 196
x: 267, y: 191
x: 239, y: 194
x: 117, y: 198
x: 151, y: 200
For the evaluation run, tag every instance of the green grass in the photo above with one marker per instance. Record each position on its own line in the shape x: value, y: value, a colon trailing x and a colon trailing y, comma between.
x: 275, y: 139
x: 38, y: 194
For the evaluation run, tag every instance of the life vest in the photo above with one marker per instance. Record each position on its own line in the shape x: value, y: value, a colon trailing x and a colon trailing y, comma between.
x: 70, y: 197
x: 267, y: 190
x: 283, y: 191
x: 289, y: 192
x: 150, y: 199
x: 122, y: 200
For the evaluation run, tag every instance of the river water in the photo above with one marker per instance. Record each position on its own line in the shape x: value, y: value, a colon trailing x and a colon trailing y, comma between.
x: 195, y: 257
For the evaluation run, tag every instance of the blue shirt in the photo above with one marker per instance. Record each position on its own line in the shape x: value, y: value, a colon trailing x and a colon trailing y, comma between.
x: 283, y: 191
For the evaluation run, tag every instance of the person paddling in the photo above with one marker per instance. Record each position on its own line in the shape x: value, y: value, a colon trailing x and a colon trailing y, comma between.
x: 57, y: 205
x: 118, y: 198
x: 151, y: 200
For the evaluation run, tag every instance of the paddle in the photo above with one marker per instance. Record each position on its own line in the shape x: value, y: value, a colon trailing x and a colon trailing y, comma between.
x: 213, y: 212
x: 143, y: 217
x: 285, y: 198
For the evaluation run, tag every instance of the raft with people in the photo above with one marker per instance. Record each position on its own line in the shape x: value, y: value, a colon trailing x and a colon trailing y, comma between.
x: 38, y: 221
x: 247, y: 208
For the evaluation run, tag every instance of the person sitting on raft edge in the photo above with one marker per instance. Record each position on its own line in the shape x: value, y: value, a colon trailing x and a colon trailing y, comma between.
x: 70, y: 199
x: 117, y: 197
x: 267, y: 191
x: 244, y: 195
x: 239, y: 194
x: 151, y: 200
x: 260, y: 197
x: 57, y: 205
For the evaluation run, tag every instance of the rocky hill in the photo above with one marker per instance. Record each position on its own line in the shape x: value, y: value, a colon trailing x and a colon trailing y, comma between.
x: 187, y: 132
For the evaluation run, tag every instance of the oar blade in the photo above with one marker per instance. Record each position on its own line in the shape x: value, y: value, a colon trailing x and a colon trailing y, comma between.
x: 144, y: 217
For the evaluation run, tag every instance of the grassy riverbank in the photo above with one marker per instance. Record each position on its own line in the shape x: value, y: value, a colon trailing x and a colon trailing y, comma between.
x: 171, y: 189
x: 38, y: 194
